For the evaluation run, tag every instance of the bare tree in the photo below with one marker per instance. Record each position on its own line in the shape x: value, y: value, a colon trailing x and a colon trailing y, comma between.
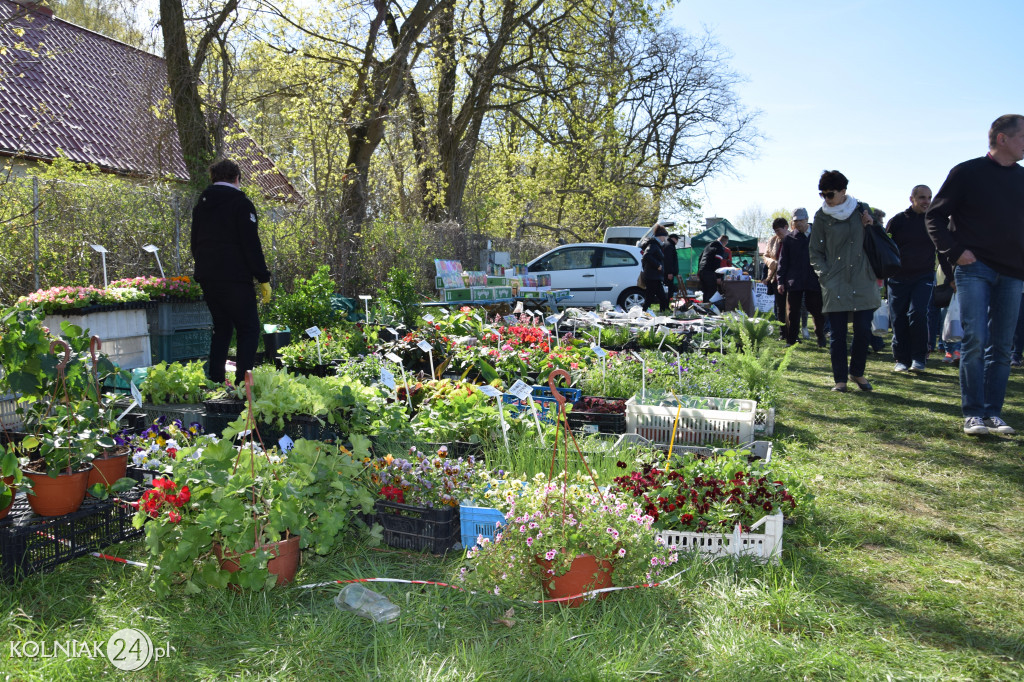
x: 755, y: 221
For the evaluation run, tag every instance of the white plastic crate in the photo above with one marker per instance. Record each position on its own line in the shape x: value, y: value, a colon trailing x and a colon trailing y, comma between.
x: 9, y: 419
x: 696, y: 426
x: 111, y: 324
x: 765, y: 546
x: 764, y: 421
x: 129, y: 352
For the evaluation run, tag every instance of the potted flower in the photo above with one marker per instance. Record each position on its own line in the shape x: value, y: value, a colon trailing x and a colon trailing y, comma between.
x: 419, y: 497
x: 154, y: 449
x: 563, y: 539
x: 10, y: 478
x: 247, y: 506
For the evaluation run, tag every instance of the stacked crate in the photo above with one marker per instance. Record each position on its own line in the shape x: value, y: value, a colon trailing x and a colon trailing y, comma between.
x: 180, y: 331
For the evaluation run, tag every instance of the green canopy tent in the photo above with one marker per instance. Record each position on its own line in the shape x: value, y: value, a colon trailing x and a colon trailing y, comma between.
x: 738, y: 243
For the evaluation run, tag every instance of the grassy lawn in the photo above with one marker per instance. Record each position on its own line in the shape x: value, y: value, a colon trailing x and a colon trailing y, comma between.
x: 910, y: 566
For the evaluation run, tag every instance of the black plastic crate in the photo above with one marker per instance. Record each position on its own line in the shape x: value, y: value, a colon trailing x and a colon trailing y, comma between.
x: 228, y: 406
x: 418, y: 528
x: 33, y: 544
x: 299, y: 426
x: 606, y: 422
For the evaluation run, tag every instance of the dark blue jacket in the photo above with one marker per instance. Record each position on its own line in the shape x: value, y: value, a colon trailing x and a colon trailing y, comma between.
x: 795, y: 271
x: 653, y: 261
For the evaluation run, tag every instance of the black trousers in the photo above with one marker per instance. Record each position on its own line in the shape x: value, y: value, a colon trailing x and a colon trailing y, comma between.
x: 233, y: 308
x: 671, y: 284
x: 811, y: 299
x: 655, y: 291
x: 708, y: 284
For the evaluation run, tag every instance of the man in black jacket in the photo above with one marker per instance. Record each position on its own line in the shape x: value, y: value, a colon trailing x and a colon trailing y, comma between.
x: 977, y: 222
x: 711, y: 259
x: 671, y: 264
x: 910, y: 290
x: 228, y: 254
x: 798, y: 282
x: 653, y: 262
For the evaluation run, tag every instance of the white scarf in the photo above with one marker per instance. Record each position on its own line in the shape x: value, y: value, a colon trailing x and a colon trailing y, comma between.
x: 842, y: 211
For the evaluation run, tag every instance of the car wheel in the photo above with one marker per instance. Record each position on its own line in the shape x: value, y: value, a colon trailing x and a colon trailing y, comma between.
x: 632, y: 296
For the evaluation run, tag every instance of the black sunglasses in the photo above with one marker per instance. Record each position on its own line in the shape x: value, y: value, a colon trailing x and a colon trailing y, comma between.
x: 827, y: 195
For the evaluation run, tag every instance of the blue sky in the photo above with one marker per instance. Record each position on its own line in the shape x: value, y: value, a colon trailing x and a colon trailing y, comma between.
x: 892, y: 93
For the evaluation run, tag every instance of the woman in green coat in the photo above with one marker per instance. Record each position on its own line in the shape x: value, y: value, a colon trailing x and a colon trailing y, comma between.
x: 848, y: 285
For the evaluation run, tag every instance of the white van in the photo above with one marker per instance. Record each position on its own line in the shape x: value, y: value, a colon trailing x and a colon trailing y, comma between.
x: 627, y: 235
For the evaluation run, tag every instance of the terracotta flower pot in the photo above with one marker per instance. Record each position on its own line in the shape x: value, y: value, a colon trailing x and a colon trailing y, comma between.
x: 57, y: 496
x: 9, y: 482
x: 108, y: 469
x: 585, y: 573
x: 284, y: 564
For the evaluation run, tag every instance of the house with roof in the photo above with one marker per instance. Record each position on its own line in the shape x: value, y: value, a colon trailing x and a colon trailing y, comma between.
x: 68, y: 91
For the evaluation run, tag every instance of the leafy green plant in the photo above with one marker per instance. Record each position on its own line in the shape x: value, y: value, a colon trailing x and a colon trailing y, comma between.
x: 244, y: 498
x: 176, y: 383
x: 308, y: 305
x: 456, y: 412
x: 397, y: 298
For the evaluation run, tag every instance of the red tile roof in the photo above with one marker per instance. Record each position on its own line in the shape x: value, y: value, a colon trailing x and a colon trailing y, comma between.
x: 94, y: 99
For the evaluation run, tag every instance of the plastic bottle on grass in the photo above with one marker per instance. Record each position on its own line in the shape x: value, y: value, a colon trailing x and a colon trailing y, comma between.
x: 367, y: 603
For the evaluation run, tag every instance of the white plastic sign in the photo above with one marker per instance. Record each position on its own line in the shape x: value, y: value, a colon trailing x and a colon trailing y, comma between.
x: 394, y: 331
x: 664, y: 330
x: 521, y: 389
x: 394, y: 358
x: 424, y: 346
x: 511, y: 319
x: 428, y: 318
x: 387, y: 378
x: 477, y: 317
x: 490, y: 391
x: 285, y: 443
x: 598, y: 351
x: 313, y: 332
x: 443, y: 311
x: 136, y: 394
x: 552, y: 319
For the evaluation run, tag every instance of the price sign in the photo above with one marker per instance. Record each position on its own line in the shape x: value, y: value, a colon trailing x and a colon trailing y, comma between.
x: 511, y: 319
x: 590, y: 428
x: 394, y: 331
x: 594, y: 316
x: 636, y: 355
x: 136, y: 394
x: 477, y: 317
x: 552, y: 319
x: 443, y: 311
x: 664, y: 330
x: 490, y: 391
x: 285, y: 443
x: 424, y: 346
x: 313, y: 332
x: 598, y: 351
x: 521, y: 389
x: 393, y: 358
x: 387, y: 378
x: 428, y: 318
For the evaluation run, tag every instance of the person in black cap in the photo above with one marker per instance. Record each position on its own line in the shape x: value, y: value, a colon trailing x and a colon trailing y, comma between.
x: 228, y: 254
x: 653, y: 262
x: 672, y: 265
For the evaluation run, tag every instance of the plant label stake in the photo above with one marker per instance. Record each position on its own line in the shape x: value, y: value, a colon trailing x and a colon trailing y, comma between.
x: 398, y: 361
x: 285, y: 443
x: 366, y: 304
x: 664, y: 331
x: 428, y: 318
x: 600, y: 352
x: 553, y: 319
x: 522, y: 390
x: 643, y: 374
x: 394, y: 331
x: 511, y: 319
x: 136, y: 400
x: 314, y: 333
x: 387, y: 378
x: 103, y: 256
x: 492, y: 392
x: 425, y: 346
x: 443, y: 311
x: 679, y: 368
x: 155, y: 250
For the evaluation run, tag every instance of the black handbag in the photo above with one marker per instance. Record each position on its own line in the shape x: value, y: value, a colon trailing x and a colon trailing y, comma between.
x: 942, y: 294
x: 882, y: 252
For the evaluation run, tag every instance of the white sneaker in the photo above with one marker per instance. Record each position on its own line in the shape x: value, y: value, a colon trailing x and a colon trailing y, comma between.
x: 806, y: 333
x: 998, y: 425
x: 900, y: 367
x: 917, y: 366
x: 974, y: 426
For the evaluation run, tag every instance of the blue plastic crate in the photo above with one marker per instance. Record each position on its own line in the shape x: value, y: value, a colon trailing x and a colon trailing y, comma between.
x: 547, y: 408
x: 570, y: 394
x: 477, y: 521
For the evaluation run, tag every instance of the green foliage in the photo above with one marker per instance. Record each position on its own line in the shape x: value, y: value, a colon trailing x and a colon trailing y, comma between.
x: 761, y: 373
x: 176, y: 383
x: 308, y: 305
x: 397, y: 298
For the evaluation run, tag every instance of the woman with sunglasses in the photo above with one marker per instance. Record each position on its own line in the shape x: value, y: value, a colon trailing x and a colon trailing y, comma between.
x: 848, y: 284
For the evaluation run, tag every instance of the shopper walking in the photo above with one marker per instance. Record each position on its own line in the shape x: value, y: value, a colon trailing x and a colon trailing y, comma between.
x: 653, y: 262
x: 228, y: 255
x: 798, y: 282
x: 910, y: 290
x: 849, y: 289
x: 977, y: 222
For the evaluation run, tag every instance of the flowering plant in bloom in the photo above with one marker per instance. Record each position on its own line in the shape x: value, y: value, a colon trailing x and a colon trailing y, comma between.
x: 159, y: 444
x: 57, y: 299
x: 245, y: 498
x: 163, y: 288
x: 422, y: 480
x: 558, y: 520
x: 709, y: 495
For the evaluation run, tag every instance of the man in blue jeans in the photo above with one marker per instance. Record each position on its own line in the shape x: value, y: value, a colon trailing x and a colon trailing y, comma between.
x: 910, y: 290
x: 977, y: 222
